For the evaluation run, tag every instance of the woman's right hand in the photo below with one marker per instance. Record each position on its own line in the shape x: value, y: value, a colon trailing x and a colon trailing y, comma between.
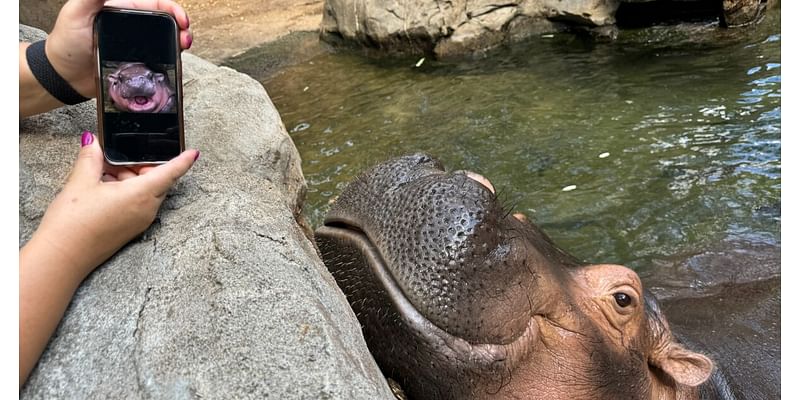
x: 99, y: 210
x: 102, y: 207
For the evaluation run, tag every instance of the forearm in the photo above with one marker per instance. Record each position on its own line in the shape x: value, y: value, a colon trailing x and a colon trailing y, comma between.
x: 33, y: 98
x: 47, y: 281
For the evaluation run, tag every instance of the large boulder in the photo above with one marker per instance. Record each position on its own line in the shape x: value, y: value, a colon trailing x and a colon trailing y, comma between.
x: 456, y: 27
x: 223, y: 296
x: 453, y: 27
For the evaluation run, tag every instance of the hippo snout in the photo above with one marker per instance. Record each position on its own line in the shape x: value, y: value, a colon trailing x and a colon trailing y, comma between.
x: 138, y: 86
x: 437, y: 235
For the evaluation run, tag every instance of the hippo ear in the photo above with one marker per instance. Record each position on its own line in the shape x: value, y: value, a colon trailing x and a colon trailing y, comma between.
x: 158, y: 77
x: 111, y: 78
x: 684, y: 366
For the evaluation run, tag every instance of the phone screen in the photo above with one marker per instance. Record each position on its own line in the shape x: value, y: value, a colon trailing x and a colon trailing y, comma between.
x: 140, y: 99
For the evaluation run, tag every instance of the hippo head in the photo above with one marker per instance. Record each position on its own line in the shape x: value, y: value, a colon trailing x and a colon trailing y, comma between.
x: 133, y: 87
x: 459, y: 299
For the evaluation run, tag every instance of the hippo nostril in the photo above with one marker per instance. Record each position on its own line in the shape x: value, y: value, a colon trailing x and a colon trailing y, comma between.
x: 480, y: 179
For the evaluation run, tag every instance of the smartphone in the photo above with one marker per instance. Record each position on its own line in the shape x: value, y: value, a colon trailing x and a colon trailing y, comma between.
x: 139, y: 90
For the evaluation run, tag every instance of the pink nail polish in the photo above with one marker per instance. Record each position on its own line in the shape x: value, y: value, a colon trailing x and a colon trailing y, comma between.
x: 190, y: 41
x: 87, y: 138
x: 196, y: 156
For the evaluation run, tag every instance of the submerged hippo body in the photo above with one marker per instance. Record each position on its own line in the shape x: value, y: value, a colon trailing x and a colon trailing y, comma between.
x: 461, y: 300
x: 134, y: 87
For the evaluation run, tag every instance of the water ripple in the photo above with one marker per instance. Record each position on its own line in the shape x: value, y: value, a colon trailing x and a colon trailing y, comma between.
x: 690, y: 123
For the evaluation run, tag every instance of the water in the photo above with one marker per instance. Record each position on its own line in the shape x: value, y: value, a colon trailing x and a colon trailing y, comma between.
x: 670, y: 135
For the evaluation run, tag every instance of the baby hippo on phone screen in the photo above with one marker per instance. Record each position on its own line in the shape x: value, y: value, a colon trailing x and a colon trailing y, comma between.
x: 134, y: 87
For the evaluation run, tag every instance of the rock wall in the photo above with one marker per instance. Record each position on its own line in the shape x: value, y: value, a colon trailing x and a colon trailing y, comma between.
x: 455, y: 27
x: 448, y: 27
x: 223, y: 296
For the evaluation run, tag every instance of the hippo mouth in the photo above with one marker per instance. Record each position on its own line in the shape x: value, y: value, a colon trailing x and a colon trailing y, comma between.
x: 140, y: 103
x: 430, y: 246
x: 483, y: 357
x: 383, y: 273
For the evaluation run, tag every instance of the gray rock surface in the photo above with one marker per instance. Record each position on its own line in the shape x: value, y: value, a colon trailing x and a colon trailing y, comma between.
x: 454, y: 27
x: 742, y: 12
x: 457, y: 27
x: 223, y: 296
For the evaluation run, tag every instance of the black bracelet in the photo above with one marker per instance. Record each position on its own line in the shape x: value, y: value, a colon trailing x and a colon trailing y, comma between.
x: 48, y: 77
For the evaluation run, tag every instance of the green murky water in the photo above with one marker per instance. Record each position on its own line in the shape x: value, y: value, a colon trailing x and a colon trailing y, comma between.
x: 670, y: 135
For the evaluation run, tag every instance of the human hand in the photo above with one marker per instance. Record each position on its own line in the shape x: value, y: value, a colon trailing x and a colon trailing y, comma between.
x: 103, y: 207
x: 69, y: 45
x: 99, y: 210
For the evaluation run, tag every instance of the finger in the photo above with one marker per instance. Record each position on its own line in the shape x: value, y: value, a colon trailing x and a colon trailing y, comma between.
x: 168, y: 6
x: 162, y: 177
x: 108, y: 178
x: 126, y: 174
x: 89, y: 165
x: 112, y: 169
x: 120, y: 173
x: 186, y: 39
x: 141, y: 170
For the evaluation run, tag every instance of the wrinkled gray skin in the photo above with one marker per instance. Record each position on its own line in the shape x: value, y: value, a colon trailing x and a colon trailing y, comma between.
x: 135, y: 88
x: 459, y: 299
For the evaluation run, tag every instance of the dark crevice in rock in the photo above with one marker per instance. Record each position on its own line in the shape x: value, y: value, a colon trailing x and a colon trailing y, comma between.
x: 640, y: 15
x: 393, y: 12
x: 138, y: 344
x: 218, y: 248
x: 282, y: 241
x: 141, y: 311
x: 489, y: 9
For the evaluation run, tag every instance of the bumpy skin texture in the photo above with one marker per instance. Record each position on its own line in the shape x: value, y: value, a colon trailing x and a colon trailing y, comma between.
x: 461, y: 300
x: 133, y: 87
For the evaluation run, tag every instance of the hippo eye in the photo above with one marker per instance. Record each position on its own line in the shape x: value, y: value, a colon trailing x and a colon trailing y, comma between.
x: 622, y: 299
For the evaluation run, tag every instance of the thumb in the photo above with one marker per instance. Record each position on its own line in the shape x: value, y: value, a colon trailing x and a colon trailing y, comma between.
x: 162, y: 177
x: 89, y: 165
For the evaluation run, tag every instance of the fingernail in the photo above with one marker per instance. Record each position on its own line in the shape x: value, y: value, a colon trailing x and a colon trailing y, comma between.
x: 87, y: 138
x: 190, y: 41
x: 197, y: 155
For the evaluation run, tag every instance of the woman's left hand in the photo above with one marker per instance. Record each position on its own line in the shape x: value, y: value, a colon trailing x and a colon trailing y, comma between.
x: 69, y: 45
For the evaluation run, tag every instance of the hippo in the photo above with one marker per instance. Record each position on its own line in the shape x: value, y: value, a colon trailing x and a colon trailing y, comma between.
x: 133, y: 87
x: 461, y: 299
